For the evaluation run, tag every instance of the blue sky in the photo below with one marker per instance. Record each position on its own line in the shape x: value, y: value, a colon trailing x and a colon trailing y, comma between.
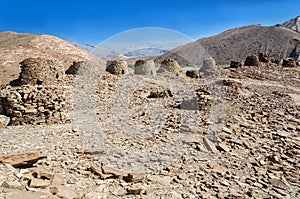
x: 91, y: 21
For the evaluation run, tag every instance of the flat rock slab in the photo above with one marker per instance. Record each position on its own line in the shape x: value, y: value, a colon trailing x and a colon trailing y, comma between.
x: 17, y: 194
x: 22, y: 159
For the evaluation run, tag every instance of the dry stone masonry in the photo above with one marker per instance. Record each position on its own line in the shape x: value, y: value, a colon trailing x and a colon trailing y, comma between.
x: 34, y: 104
x: 264, y: 57
x: 209, y: 65
x: 289, y: 62
x: 169, y: 65
x: 73, y: 69
x: 236, y: 64
x: 4, y: 120
x: 193, y: 74
x: 40, y: 71
x: 117, y: 67
x: 144, y: 67
x: 38, y: 96
x: 252, y: 60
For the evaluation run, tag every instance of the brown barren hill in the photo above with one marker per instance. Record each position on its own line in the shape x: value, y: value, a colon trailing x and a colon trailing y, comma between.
x: 15, y: 47
x: 238, y: 43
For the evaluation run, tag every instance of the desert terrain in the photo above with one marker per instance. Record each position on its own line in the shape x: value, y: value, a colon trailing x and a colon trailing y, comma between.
x: 72, y: 126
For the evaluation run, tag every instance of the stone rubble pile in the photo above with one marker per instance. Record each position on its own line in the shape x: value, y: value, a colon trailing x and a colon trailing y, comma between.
x: 74, y: 68
x: 254, y: 154
x: 35, y: 104
x: 27, y: 179
x: 289, y: 62
x: 264, y: 59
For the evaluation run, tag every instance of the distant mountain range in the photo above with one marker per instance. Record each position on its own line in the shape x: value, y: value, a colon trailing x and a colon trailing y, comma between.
x: 129, y: 51
x: 281, y: 40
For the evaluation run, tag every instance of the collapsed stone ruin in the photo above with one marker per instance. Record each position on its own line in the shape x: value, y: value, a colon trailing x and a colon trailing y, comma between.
x: 193, y: 74
x: 262, y: 60
x: 74, y: 68
x: 38, y: 96
x: 289, y: 62
x: 236, y: 64
x: 34, y: 104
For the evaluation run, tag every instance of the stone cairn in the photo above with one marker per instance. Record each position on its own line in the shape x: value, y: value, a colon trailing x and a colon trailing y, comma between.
x: 252, y: 60
x: 209, y: 67
x: 144, y: 67
x: 74, y: 68
x: 264, y: 57
x: 117, y: 67
x: 236, y: 64
x: 39, y: 96
x: 36, y: 104
x: 169, y: 65
x: 193, y: 74
x: 40, y: 71
x: 289, y: 62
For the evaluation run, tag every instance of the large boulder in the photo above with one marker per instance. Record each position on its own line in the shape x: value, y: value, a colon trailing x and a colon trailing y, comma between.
x: 289, y: 62
x: 169, y: 65
x: 4, y: 121
x: 117, y: 67
x: 144, y: 67
x: 252, y: 60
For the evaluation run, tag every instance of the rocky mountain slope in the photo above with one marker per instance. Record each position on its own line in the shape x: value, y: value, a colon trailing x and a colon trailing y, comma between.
x: 236, y: 44
x: 15, y: 47
x: 170, y: 136
x: 293, y: 24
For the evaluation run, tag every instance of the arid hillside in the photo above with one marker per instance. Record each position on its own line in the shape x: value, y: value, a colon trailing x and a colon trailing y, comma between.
x: 293, y: 24
x: 15, y: 47
x: 236, y: 44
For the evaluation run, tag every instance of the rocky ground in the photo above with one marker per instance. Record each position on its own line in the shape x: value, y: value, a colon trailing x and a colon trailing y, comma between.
x: 235, y: 135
